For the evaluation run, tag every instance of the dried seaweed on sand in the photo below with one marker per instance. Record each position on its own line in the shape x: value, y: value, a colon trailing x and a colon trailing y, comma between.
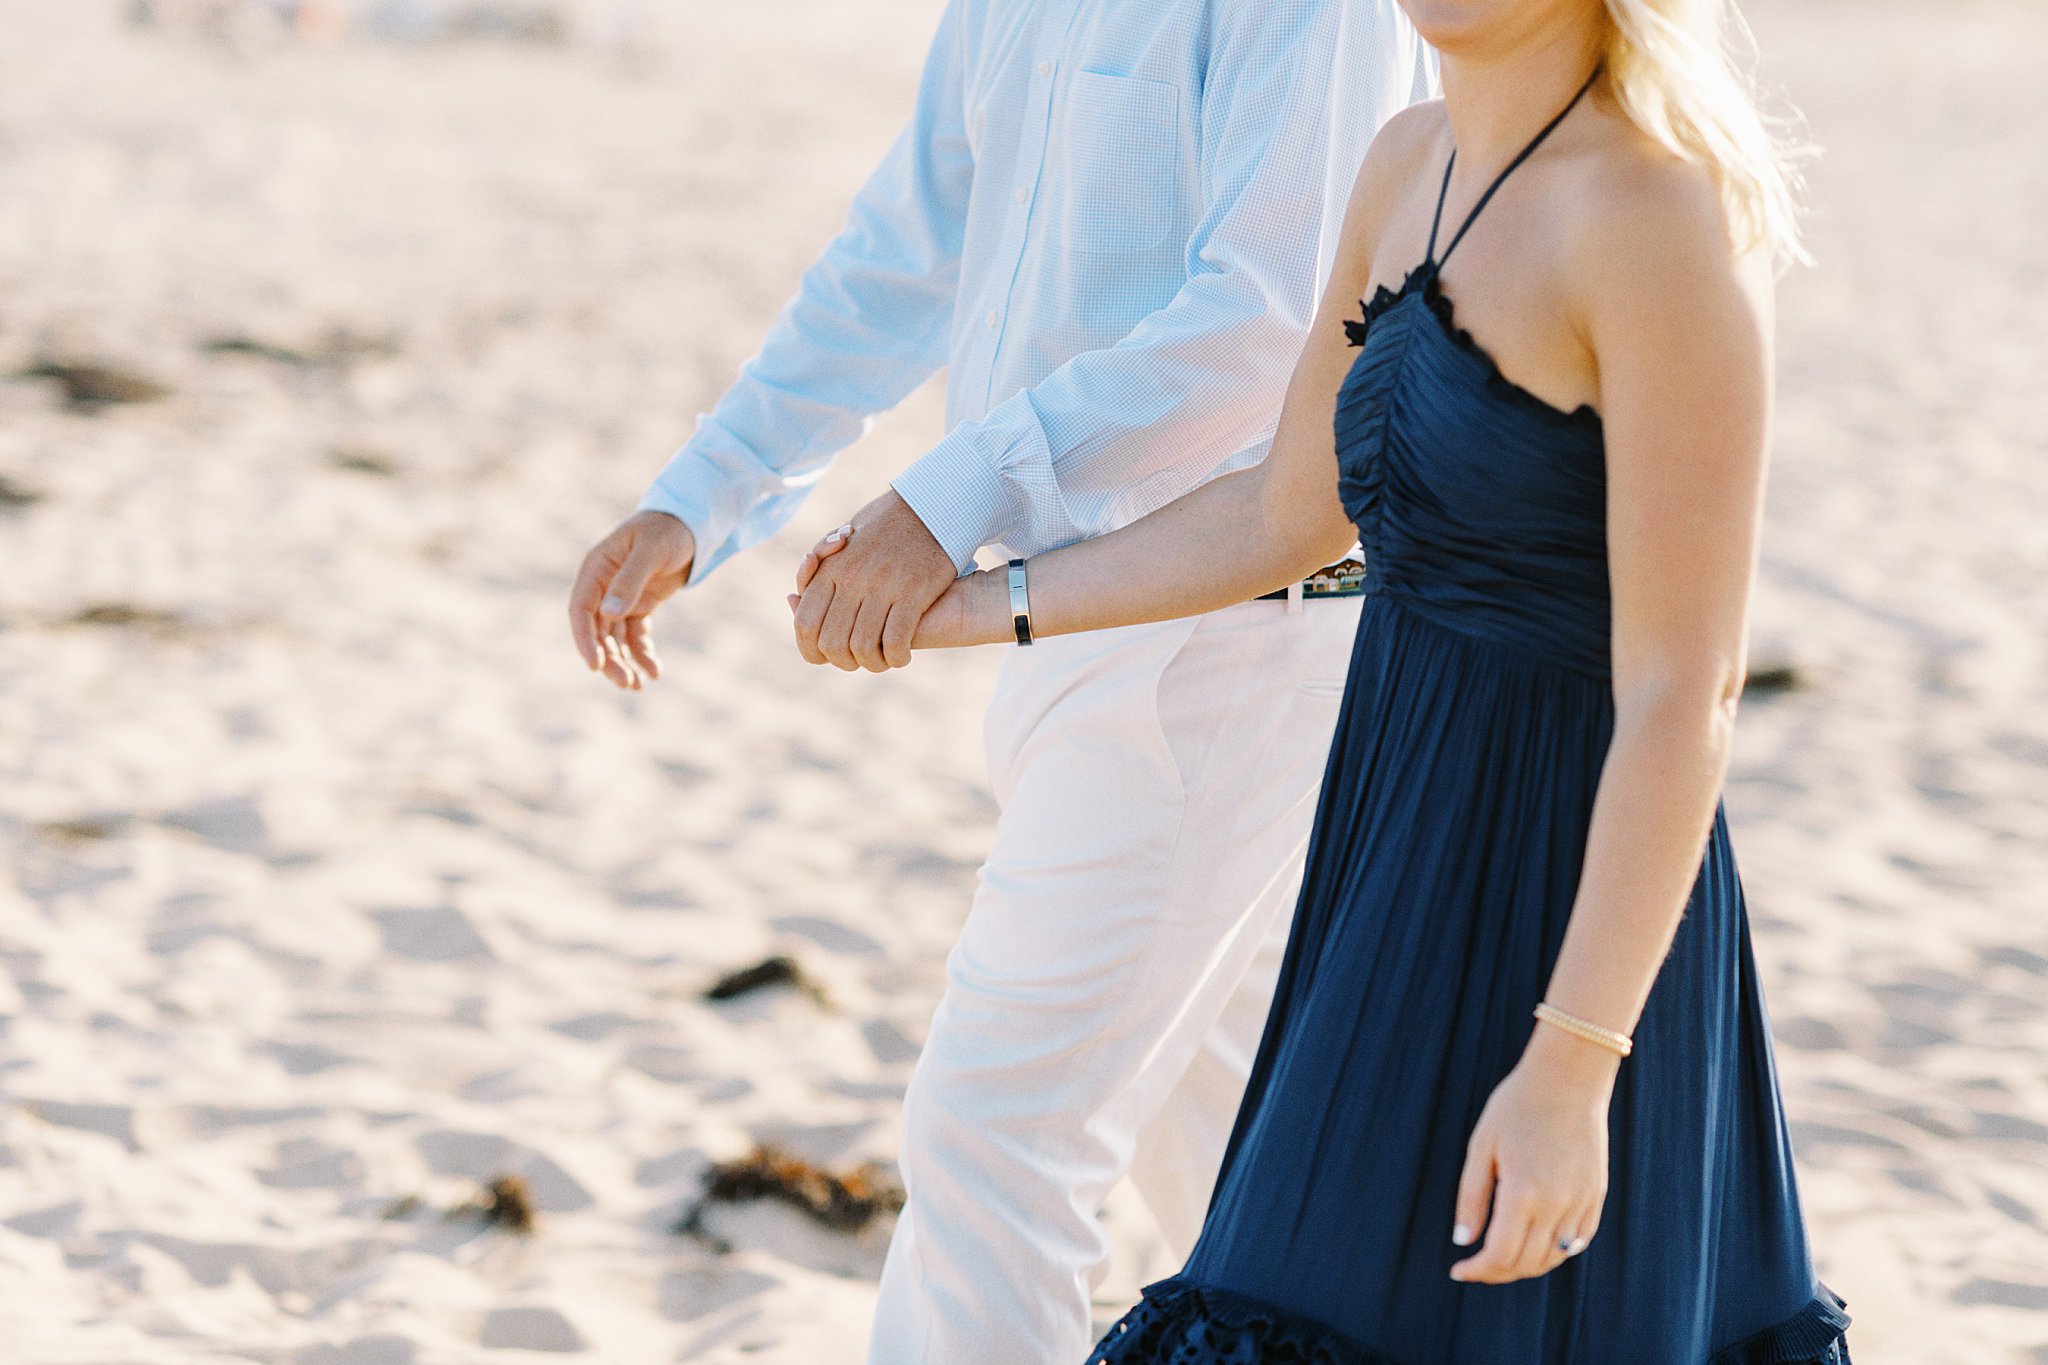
x: 504, y: 1203
x: 131, y: 615
x: 846, y: 1202
x: 13, y: 494
x: 1768, y: 678
x: 91, y: 385
x: 774, y: 971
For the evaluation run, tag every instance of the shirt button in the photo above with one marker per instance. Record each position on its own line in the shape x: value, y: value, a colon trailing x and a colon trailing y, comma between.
x: 1045, y: 68
x: 991, y: 317
x: 1022, y: 194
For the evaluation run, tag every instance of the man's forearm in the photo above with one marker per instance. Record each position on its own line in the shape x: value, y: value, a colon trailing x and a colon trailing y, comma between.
x: 868, y: 324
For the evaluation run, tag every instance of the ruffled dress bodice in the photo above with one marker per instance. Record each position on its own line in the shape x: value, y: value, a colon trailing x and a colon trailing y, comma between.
x: 1479, y: 505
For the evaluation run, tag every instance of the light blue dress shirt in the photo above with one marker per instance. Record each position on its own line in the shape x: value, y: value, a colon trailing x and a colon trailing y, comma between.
x: 1109, y: 220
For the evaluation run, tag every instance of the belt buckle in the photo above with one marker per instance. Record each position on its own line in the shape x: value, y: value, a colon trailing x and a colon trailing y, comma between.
x: 1345, y: 578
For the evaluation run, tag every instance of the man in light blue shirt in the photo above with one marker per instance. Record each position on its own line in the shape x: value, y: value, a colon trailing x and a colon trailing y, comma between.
x: 1109, y: 221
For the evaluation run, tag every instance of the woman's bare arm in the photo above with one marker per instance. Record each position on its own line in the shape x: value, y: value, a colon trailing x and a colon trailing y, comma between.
x: 1681, y: 336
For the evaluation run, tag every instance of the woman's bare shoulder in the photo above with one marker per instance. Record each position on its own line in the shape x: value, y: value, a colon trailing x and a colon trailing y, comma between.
x: 1659, y: 284
x: 1405, y: 141
x: 1397, y: 155
x: 1643, y: 218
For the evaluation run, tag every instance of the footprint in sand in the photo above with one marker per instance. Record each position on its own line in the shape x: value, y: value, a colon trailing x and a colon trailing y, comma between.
x: 431, y: 934
x: 382, y: 1349
x: 535, y: 1327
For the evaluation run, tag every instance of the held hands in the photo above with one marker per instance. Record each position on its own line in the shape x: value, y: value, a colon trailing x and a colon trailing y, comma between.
x: 863, y: 591
x: 1538, y: 1156
x: 624, y: 578
x: 862, y: 611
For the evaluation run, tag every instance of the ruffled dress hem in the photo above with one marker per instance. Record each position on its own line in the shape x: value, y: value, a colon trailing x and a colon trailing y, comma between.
x: 1183, y: 1323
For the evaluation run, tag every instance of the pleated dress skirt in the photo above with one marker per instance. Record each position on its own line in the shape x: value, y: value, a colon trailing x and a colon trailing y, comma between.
x: 1442, y: 871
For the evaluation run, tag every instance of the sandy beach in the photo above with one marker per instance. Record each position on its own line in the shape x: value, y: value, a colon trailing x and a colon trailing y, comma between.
x: 333, y: 889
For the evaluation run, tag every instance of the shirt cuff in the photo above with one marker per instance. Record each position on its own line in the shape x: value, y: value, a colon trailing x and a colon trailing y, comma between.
x: 962, y: 502
x: 671, y: 493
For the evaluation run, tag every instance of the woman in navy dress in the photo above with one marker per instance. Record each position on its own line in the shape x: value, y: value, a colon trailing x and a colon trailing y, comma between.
x: 1515, y: 1104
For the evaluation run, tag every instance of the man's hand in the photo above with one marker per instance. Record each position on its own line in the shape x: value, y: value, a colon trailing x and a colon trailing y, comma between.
x: 860, y: 607
x: 623, y: 579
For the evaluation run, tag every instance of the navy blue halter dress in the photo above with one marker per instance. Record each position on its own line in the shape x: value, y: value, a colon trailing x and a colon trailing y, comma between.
x: 1446, y: 854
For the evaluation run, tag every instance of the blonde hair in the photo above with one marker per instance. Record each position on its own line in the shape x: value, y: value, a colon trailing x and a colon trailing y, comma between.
x: 1675, y: 68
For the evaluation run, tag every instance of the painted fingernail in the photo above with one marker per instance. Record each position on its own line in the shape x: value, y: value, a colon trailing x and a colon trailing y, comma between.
x: 1461, y: 1236
x: 612, y: 606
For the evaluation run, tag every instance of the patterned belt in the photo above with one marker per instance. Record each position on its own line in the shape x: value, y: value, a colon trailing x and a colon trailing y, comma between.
x: 1345, y: 578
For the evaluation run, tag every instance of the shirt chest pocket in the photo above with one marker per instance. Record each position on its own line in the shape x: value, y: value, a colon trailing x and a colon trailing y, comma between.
x: 1119, y: 162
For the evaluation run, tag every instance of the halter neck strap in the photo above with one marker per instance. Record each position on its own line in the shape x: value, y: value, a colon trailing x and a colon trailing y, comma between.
x: 1499, y: 180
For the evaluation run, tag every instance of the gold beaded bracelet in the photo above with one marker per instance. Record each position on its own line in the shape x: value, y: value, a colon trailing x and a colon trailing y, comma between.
x: 1620, y: 1044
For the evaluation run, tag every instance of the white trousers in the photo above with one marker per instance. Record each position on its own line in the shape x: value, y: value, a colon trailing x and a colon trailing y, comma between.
x: 1104, y: 1003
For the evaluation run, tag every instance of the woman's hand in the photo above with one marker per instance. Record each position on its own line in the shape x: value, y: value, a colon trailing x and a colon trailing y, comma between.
x: 1538, y: 1156
x: 974, y: 611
